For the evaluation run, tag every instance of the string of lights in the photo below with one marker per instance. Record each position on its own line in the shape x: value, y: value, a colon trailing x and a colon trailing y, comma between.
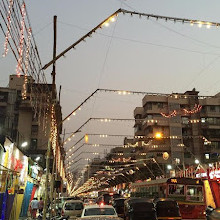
x: 100, y: 135
x: 8, y: 27
x: 128, y: 92
x: 111, y: 18
x: 15, y: 25
x: 96, y: 119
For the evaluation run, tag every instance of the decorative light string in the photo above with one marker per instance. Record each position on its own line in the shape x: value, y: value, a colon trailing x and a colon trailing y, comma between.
x: 53, y: 130
x: 11, y: 2
x: 24, y: 93
x: 111, y: 18
x: 172, y: 114
x: 197, y: 108
x: 21, y: 43
x: 126, y: 92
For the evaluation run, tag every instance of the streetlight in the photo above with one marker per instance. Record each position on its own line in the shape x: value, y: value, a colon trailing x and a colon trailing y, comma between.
x: 37, y: 159
x: 158, y: 135
x: 24, y: 144
x: 169, y: 167
x: 197, y: 161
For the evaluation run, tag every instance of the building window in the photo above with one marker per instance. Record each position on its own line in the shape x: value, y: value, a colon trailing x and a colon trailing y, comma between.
x: 203, y: 120
x: 215, y: 145
x: 185, y: 120
x: 177, y: 160
x: 160, y: 105
x: 33, y: 143
x: 213, y: 121
x: 149, y: 106
x: 149, y: 130
x: 207, y: 156
x: 137, y: 128
x: 187, y: 155
x: 34, y: 129
x: 212, y: 108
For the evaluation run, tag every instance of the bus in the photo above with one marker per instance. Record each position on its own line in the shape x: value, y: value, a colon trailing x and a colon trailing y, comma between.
x: 188, y: 192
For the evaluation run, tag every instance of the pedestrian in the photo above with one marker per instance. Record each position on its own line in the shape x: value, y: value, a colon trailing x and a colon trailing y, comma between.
x: 41, y: 205
x: 34, y: 205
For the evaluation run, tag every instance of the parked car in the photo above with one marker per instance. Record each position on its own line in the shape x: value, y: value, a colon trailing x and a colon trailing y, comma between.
x: 118, y: 204
x: 140, y: 209
x: 98, y: 211
x: 212, y: 214
x: 72, y: 209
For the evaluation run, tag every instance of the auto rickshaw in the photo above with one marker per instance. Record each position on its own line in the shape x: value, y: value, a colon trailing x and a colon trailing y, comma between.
x: 139, y: 209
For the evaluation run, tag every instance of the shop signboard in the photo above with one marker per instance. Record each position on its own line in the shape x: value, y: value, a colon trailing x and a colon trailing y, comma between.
x: 15, y: 165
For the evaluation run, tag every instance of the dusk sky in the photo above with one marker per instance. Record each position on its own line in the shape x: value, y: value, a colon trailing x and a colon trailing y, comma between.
x: 133, y: 53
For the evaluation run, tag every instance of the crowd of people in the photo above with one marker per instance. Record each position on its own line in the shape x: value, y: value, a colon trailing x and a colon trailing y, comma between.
x: 35, y: 206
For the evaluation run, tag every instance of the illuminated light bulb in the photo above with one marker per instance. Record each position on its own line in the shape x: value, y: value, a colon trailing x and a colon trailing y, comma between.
x: 106, y: 120
x: 68, y: 118
x: 106, y: 24
x: 112, y: 19
x: 79, y: 108
x: 208, y: 26
x: 69, y: 139
x: 124, y: 92
x: 74, y: 113
x: 191, y: 23
x: 158, y: 135
x: 64, y: 142
x: 119, y: 92
x: 200, y: 24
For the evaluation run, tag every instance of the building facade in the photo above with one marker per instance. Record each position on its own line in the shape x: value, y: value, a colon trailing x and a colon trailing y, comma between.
x: 179, y: 128
x: 27, y: 121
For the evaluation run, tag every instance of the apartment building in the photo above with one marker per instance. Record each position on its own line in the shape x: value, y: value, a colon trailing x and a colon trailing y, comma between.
x: 179, y: 128
x: 27, y: 122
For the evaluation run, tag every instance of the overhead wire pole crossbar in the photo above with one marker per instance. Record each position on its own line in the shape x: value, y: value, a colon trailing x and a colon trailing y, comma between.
x: 101, y: 135
x: 98, y: 119
x: 166, y: 18
x: 81, y: 39
x: 124, y: 92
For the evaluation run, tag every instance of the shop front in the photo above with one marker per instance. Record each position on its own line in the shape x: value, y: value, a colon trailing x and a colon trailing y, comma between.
x: 13, y: 177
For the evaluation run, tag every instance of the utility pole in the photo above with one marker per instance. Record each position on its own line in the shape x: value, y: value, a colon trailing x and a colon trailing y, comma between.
x: 53, y: 102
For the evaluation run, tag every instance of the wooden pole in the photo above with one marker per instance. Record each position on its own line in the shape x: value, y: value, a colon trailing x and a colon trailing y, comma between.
x: 49, y: 141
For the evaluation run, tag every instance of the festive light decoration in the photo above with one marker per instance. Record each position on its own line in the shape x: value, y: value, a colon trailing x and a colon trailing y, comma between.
x: 137, y: 93
x: 172, y: 114
x: 21, y: 43
x: 123, y: 160
x: 166, y: 156
x: 158, y: 135
x: 24, y: 93
x: 101, y: 120
x: 208, y: 24
x: 86, y: 138
x: 197, y: 108
x: 53, y: 136
x: 11, y: 2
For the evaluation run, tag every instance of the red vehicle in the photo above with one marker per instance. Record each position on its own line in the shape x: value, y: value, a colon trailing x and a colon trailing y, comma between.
x: 188, y: 192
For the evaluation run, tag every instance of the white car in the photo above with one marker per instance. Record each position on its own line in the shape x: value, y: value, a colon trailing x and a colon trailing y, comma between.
x: 98, y: 211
